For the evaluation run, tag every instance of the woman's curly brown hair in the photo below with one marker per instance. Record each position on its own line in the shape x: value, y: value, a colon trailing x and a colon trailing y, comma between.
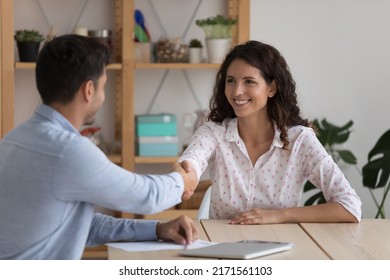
x: 282, y: 107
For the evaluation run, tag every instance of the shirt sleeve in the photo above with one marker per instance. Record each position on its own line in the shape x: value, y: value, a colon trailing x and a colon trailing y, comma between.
x: 200, y: 150
x: 106, y: 229
x: 325, y: 174
x: 84, y: 173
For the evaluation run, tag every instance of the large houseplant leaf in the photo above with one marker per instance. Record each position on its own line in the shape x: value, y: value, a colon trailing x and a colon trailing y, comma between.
x: 347, y: 156
x: 377, y: 171
x: 330, y: 134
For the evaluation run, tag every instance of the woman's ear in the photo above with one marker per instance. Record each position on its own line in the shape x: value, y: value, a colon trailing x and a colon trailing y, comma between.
x: 272, y: 89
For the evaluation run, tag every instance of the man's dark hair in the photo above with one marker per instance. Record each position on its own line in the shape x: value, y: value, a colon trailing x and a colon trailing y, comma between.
x: 65, y: 63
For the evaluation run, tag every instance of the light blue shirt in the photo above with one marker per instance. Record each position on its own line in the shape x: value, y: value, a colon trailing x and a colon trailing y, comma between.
x: 51, y: 178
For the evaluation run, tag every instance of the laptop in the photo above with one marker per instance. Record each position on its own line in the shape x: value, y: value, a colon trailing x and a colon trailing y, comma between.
x: 245, y: 249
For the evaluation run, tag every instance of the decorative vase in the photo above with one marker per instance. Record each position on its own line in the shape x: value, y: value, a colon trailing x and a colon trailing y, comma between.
x: 217, y: 49
x: 195, y: 55
x: 28, y: 51
x: 143, y: 52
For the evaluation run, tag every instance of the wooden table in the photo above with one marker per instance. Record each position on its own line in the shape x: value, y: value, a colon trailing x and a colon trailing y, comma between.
x: 304, y: 248
x: 367, y: 240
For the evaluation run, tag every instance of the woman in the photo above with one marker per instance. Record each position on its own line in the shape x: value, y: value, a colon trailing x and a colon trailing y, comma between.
x: 261, y: 151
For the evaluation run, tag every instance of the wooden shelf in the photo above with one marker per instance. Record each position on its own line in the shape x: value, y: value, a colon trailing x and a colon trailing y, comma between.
x: 176, y: 66
x: 31, y: 65
x: 118, y: 66
x: 155, y: 159
x: 116, y: 158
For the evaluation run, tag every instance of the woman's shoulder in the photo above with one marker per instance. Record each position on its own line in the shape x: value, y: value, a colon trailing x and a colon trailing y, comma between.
x: 217, y: 126
x: 300, y: 131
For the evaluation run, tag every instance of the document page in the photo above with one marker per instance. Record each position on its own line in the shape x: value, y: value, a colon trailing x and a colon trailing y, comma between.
x: 157, y: 245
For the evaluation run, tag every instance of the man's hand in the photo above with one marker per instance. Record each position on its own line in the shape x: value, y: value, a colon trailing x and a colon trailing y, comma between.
x: 181, y: 230
x: 189, y: 177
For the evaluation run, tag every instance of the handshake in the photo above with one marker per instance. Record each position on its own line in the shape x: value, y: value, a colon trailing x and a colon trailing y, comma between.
x: 190, y: 178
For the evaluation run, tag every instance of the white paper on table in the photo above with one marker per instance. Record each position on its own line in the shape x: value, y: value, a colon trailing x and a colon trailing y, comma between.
x: 157, y: 245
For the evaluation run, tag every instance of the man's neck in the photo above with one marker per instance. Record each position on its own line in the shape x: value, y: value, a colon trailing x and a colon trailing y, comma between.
x: 70, y: 112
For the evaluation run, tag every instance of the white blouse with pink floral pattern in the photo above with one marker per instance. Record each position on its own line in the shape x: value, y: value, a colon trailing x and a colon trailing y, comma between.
x: 278, y: 176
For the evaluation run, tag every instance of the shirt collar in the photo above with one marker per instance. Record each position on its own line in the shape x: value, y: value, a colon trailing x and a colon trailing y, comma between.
x: 233, y: 136
x: 232, y: 130
x: 55, y: 117
x: 277, y: 142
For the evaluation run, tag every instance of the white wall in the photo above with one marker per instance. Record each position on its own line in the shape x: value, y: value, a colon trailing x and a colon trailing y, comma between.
x: 338, y: 52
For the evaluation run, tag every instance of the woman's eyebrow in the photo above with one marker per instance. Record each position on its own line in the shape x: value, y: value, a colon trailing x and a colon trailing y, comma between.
x: 246, y: 77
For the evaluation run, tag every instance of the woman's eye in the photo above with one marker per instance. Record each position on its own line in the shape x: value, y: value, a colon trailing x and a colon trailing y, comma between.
x: 250, y: 81
x: 229, y: 81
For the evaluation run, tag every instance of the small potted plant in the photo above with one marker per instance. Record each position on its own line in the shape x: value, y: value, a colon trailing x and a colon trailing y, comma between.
x: 28, y: 42
x: 195, y: 50
x: 218, y: 31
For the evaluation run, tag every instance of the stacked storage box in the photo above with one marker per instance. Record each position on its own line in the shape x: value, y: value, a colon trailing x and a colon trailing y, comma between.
x: 157, y: 135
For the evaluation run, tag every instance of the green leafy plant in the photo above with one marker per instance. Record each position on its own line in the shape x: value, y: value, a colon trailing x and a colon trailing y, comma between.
x: 217, y: 27
x: 195, y: 43
x: 376, y: 172
x: 27, y: 35
x: 330, y: 136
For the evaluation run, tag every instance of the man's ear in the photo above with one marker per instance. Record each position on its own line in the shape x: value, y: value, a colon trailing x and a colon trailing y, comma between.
x: 87, y: 90
x: 272, y: 89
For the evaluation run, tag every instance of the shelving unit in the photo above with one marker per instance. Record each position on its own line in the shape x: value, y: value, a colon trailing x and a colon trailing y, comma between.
x: 125, y: 72
x: 7, y: 68
x: 124, y: 69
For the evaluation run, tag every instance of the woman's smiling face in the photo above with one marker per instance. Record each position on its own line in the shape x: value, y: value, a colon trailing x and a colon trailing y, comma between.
x: 246, y: 90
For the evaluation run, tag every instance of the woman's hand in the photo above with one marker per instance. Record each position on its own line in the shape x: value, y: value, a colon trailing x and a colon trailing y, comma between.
x: 331, y: 212
x: 258, y: 216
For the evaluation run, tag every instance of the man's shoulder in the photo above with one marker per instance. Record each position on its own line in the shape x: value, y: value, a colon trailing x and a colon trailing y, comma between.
x: 42, y: 136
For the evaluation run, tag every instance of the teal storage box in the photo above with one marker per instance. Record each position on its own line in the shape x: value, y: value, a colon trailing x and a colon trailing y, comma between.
x: 156, y: 125
x: 166, y: 146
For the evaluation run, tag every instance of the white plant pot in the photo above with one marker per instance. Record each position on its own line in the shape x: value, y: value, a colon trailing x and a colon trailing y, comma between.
x: 195, y: 55
x: 217, y: 49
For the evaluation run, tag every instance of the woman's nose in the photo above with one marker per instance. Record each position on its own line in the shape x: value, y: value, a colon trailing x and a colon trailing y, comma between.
x: 238, y: 89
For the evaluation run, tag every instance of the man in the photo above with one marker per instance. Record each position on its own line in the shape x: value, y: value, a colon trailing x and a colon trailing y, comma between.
x: 51, y: 176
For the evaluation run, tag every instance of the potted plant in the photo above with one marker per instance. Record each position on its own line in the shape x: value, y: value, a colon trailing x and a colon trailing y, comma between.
x: 218, y: 31
x: 28, y: 42
x: 195, y: 51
